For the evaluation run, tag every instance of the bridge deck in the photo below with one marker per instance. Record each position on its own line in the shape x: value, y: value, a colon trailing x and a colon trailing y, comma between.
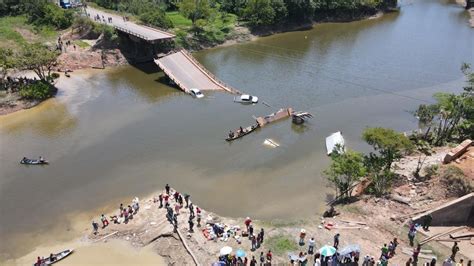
x: 188, y: 73
x: 140, y: 31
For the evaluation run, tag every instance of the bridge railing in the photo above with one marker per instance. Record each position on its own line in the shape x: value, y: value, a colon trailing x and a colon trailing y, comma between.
x: 211, y: 76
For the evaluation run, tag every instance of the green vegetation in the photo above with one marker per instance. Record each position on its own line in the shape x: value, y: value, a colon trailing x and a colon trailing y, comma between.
x: 195, y: 10
x: 81, y: 43
x: 178, y: 20
x: 157, y: 18
x: 346, y: 168
x: 431, y: 171
x: 38, y: 58
x: 451, y: 118
x: 45, y: 13
x: 281, y: 244
x: 456, y: 182
x: 39, y: 90
x: 11, y: 26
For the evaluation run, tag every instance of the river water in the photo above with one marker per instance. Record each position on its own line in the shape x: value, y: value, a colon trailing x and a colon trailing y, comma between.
x: 114, y: 134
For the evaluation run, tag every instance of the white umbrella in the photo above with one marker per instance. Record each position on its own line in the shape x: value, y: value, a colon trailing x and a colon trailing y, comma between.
x: 327, y: 251
x: 225, y: 250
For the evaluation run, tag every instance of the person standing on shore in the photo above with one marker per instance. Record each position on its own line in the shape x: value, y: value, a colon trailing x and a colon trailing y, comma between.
x: 160, y: 198
x: 454, y: 250
x: 186, y: 199
x: 167, y: 188
x: 191, y: 210
x: 336, y: 240
x: 411, y: 236
x: 302, y: 236
x: 166, y: 197
x: 191, y: 225
x: 198, y: 215
x: 104, y: 221
x: 247, y: 223
x: 416, y: 252
x: 262, y: 234
x: 250, y: 231
x: 427, y: 221
x: 269, y: 256
x: 253, y: 261
x: 180, y: 200
x: 262, y: 259
x: 95, y: 227
x: 409, y: 262
x: 311, y: 244
x: 254, y: 242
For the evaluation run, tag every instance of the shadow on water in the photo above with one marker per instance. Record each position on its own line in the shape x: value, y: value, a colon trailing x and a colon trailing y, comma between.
x: 148, y: 67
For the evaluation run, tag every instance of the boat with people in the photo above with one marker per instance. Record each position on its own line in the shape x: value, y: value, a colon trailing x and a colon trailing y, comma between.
x: 39, y: 161
x: 53, y: 258
x: 240, y: 132
x: 333, y: 141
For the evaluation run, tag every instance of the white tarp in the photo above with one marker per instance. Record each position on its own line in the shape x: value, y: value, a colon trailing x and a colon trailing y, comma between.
x: 333, y: 140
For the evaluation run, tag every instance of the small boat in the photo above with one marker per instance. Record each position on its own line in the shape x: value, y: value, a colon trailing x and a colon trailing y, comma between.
x: 33, y: 161
x: 238, y: 133
x: 54, y: 258
x: 333, y: 140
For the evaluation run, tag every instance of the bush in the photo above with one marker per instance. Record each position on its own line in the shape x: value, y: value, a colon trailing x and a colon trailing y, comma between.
x: 431, y: 170
x: 37, y: 91
x: 108, y: 31
x: 48, y: 14
x: 456, y: 182
x: 157, y: 18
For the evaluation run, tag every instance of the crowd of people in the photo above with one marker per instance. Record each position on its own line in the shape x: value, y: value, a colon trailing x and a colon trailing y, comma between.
x: 14, y: 84
x: 174, y: 202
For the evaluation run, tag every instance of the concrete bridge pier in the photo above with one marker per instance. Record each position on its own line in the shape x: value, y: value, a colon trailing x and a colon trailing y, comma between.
x: 137, y: 50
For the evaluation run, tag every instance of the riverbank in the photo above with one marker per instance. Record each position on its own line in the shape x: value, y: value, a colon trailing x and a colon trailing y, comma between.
x: 368, y: 222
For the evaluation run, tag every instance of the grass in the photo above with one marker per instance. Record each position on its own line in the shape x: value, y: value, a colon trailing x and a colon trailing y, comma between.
x: 11, y: 38
x: 178, y: 20
x: 81, y: 43
x: 8, y: 32
x: 277, y: 223
x: 281, y: 244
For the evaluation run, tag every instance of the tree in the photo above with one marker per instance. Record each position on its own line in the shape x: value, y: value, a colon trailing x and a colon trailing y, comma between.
x: 301, y: 10
x: 259, y: 12
x: 388, y: 143
x: 195, y: 9
x: 425, y: 115
x: 157, y: 18
x: 345, y: 169
x: 381, y: 178
x: 46, y: 13
x: 38, y: 58
x: 452, y: 116
x: 424, y: 149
